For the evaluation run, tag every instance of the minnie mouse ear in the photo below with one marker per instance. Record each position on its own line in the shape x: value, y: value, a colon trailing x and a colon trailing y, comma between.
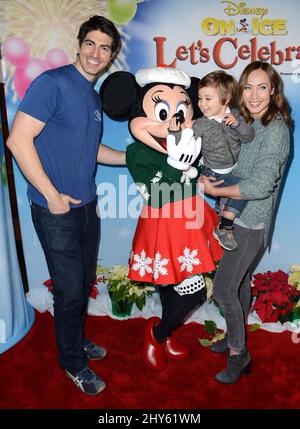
x: 119, y: 94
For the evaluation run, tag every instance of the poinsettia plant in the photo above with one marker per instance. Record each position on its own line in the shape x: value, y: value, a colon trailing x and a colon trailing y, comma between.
x: 275, y: 299
x: 121, y: 288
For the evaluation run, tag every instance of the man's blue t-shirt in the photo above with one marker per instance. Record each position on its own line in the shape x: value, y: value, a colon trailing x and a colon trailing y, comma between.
x: 68, y: 144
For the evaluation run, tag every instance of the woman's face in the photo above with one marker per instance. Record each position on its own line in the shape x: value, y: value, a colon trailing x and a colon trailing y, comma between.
x: 257, y: 93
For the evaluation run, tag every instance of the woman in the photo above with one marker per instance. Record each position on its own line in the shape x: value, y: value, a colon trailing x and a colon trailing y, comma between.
x: 261, y: 166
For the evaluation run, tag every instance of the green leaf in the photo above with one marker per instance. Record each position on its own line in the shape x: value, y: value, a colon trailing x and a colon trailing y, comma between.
x: 219, y: 336
x: 254, y: 327
x: 204, y: 342
x: 210, y: 327
x: 140, y: 302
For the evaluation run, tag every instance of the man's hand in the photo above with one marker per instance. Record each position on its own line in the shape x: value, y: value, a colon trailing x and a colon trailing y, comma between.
x: 61, y: 204
x: 209, y: 184
x: 230, y: 119
x: 183, y: 154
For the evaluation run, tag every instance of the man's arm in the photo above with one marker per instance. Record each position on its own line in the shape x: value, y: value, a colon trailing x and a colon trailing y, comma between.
x: 107, y: 155
x: 20, y: 142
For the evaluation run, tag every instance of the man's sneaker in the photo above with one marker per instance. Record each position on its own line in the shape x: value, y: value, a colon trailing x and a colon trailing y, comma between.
x: 93, y: 351
x: 87, y: 381
x: 226, y: 238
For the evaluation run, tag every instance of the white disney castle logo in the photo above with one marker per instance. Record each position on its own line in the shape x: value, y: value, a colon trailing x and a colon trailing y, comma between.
x: 98, y: 115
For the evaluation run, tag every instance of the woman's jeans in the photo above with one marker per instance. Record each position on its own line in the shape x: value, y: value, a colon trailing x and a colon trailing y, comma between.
x: 232, y: 283
x: 70, y: 242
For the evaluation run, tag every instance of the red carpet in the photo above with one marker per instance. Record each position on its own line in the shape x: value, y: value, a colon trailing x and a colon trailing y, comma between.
x: 31, y: 378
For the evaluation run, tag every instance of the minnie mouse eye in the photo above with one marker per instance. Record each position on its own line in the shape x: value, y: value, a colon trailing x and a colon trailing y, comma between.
x: 161, y: 111
x: 183, y: 109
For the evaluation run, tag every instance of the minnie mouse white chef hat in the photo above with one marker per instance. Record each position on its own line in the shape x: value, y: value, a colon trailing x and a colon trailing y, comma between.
x: 162, y: 75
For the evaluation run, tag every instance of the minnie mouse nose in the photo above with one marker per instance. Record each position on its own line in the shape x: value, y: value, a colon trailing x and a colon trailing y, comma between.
x: 179, y: 117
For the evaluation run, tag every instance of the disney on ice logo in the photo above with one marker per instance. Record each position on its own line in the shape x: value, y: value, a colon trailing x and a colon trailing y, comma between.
x: 242, y: 9
x: 257, y: 26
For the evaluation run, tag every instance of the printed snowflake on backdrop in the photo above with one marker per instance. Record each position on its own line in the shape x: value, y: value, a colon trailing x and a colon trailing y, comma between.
x: 159, y: 266
x: 188, y: 259
x: 142, y: 263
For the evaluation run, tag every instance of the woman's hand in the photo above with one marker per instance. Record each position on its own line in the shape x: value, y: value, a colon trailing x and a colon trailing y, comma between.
x: 209, y: 184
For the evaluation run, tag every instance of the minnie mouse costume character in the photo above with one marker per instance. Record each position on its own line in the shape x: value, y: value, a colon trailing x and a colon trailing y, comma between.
x: 173, y: 243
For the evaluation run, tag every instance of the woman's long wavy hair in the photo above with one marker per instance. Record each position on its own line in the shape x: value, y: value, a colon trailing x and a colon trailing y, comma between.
x: 278, y: 102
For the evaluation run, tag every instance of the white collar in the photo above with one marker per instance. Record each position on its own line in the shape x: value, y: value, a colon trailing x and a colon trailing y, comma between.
x: 219, y: 118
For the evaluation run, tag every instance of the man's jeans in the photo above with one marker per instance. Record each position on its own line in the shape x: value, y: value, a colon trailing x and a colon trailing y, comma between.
x: 70, y: 242
x: 230, y: 204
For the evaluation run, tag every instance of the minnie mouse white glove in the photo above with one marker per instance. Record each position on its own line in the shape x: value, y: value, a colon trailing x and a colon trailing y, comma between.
x: 183, y: 154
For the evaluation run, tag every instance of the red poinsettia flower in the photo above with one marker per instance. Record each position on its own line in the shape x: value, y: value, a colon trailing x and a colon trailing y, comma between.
x: 266, y: 312
x: 274, y: 297
x: 94, y: 292
x: 49, y: 284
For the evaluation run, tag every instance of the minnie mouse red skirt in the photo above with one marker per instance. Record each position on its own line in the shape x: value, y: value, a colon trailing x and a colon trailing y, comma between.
x: 174, y: 242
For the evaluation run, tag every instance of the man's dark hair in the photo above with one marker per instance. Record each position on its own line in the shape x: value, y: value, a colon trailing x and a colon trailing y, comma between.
x: 103, y: 24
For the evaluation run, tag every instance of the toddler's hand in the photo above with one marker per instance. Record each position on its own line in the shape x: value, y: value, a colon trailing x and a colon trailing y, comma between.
x: 174, y: 124
x: 230, y: 119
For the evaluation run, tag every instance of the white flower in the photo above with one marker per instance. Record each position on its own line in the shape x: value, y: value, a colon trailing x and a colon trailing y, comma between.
x: 185, y: 179
x: 119, y: 271
x: 142, y: 263
x: 142, y: 188
x: 157, y: 177
x: 159, y: 266
x: 209, y: 286
x: 188, y: 259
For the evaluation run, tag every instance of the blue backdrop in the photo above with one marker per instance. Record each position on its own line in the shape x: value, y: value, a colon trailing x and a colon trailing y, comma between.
x: 198, y: 36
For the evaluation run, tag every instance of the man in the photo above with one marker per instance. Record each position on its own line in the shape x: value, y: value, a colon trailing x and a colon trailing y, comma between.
x: 55, y: 140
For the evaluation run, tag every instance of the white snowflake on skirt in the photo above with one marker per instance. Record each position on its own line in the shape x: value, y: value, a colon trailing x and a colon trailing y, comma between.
x: 188, y: 259
x: 159, y: 266
x: 142, y: 263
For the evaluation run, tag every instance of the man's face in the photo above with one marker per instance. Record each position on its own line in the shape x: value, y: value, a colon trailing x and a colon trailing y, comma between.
x: 95, y: 53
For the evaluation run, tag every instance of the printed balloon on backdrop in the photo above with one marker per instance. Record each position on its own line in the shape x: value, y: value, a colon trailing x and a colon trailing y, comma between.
x: 16, y: 51
x: 23, y: 76
x: 121, y: 11
x: 56, y: 58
